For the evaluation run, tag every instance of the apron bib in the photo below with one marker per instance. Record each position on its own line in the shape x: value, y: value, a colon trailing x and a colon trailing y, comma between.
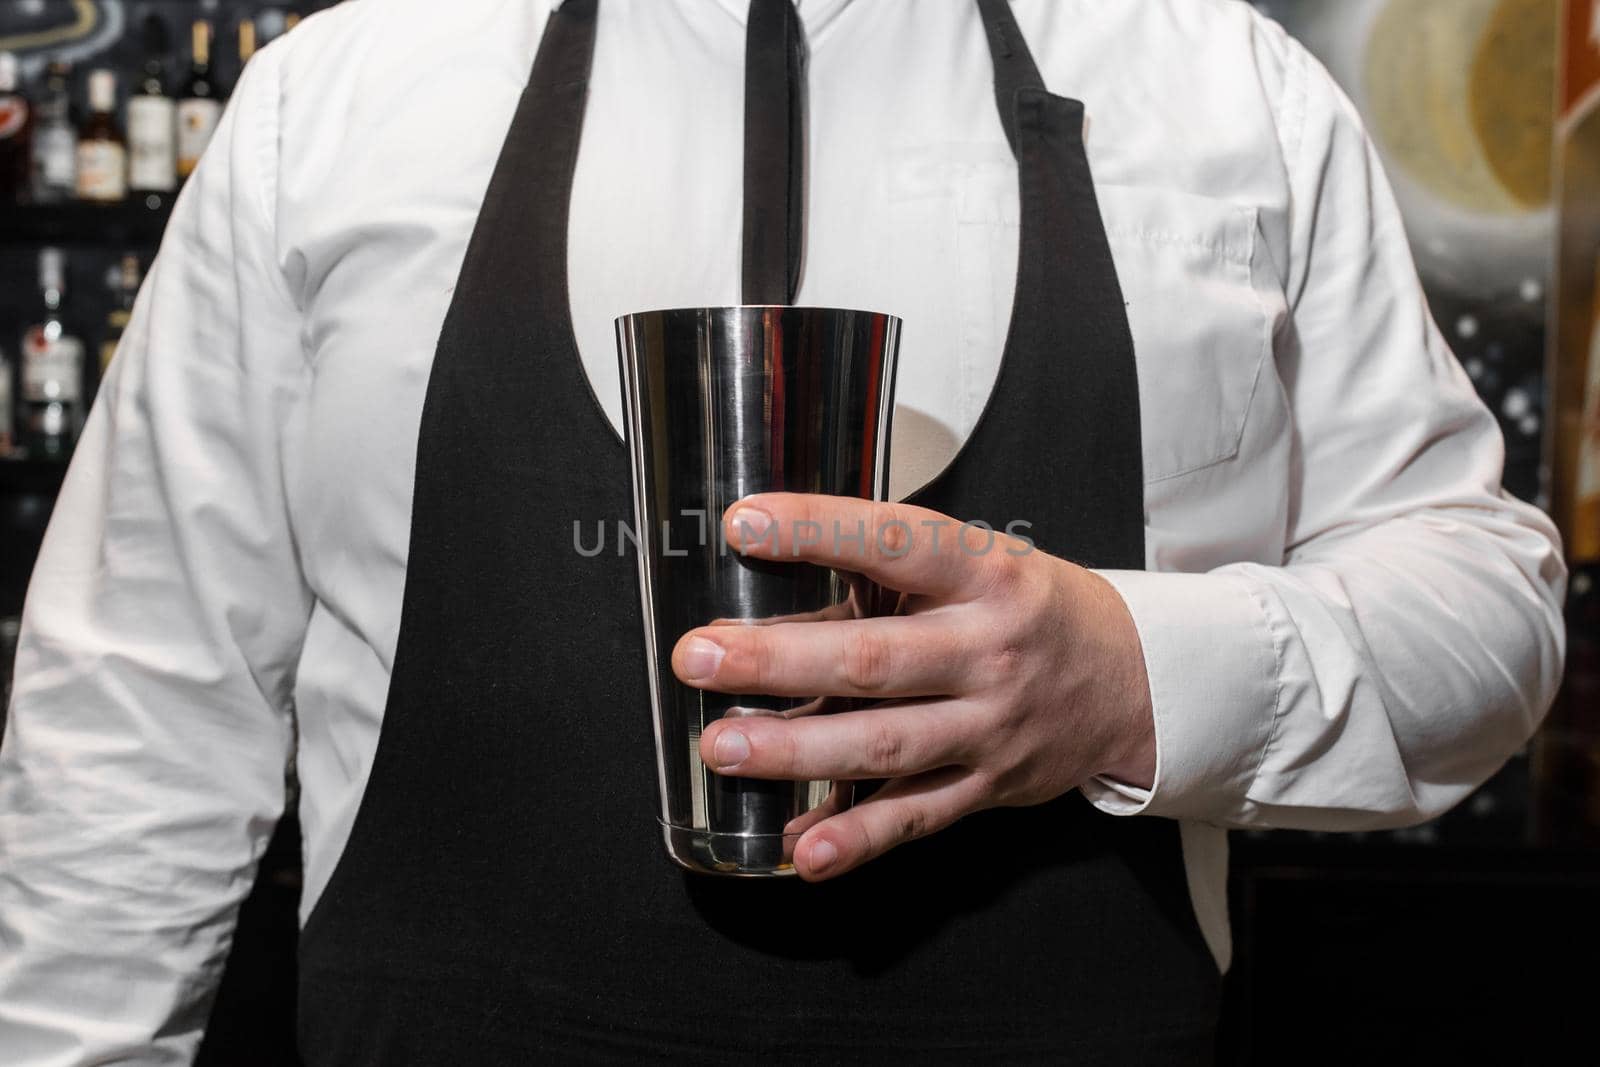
x: 504, y: 896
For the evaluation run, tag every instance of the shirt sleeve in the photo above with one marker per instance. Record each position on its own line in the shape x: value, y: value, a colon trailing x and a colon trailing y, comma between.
x: 143, y: 766
x: 1411, y: 640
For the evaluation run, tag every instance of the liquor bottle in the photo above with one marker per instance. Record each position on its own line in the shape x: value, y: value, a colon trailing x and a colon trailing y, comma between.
x: 247, y: 40
x: 125, y: 289
x: 52, y: 369
x: 55, y: 142
x: 16, y: 133
x: 102, y: 153
x: 152, y: 121
x: 198, y: 107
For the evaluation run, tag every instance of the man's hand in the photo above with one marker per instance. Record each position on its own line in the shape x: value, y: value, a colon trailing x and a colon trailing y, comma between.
x: 1011, y: 677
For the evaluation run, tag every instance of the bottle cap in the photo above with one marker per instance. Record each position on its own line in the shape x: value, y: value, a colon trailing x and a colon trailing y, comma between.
x: 8, y: 72
x: 102, y: 89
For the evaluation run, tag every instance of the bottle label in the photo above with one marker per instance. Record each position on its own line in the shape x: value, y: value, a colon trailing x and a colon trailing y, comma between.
x: 152, y: 154
x: 13, y: 116
x: 55, y: 154
x: 51, y: 370
x: 197, y: 121
x: 102, y: 170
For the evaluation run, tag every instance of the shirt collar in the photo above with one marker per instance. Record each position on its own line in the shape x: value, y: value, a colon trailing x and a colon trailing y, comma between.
x: 814, y: 14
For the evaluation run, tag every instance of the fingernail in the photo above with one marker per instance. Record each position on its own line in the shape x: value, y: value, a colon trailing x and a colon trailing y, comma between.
x: 822, y: 856
x: 701, y: 659
x: 732, y: 748
x: 750, y: 525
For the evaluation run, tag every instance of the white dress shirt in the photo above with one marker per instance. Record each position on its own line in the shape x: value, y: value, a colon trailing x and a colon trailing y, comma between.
x: 1346, y: 623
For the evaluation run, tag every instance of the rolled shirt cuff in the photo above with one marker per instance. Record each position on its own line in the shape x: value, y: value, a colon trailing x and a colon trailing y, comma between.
x: 1213, y: 669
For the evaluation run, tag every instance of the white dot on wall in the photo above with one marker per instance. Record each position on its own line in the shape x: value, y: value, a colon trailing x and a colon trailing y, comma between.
x: 1531, y: 290
x: 1529, y: 425
x: 1516, y: 404
x: 1467, y: 327
x: 1474, y: 368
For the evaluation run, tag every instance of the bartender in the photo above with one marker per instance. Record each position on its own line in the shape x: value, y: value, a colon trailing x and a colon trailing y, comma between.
x: 1157, y: 302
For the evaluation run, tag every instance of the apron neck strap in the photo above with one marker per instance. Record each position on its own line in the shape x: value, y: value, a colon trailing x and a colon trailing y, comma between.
x: 1014, y: 68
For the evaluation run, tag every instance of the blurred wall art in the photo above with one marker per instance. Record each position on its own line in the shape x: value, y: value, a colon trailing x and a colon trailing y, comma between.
x: 1459, y: 96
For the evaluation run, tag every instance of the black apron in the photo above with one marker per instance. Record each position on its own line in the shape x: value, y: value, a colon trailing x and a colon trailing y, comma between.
x: 504, y: 897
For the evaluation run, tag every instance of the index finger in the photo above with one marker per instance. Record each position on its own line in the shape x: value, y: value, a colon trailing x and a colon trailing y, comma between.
x: 911, y: 549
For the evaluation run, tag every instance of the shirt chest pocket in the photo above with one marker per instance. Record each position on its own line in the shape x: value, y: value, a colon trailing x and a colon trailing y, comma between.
x: 1199, y: 302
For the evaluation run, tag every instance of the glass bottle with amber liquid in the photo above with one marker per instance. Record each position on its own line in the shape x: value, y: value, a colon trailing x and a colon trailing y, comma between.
x: 199, y: 103
x: 102, y: 151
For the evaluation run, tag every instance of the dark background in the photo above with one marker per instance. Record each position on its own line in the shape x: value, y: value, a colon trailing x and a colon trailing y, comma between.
x: 1462, y: 941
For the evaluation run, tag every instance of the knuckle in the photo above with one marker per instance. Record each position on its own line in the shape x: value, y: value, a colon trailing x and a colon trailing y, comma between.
x: 808, y: 508
x: 868, y: 662
x: 1000, y: 573
x: 885, y: 751
x: 761, y: 659
x: 892, y: 530
x: 1004, y: 661
x: 867, y: 843
x: 784, y: 751
x: 913, y: 823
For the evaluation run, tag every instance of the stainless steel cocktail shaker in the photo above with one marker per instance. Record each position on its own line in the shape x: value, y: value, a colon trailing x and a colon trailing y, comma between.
x: 721, y: 403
